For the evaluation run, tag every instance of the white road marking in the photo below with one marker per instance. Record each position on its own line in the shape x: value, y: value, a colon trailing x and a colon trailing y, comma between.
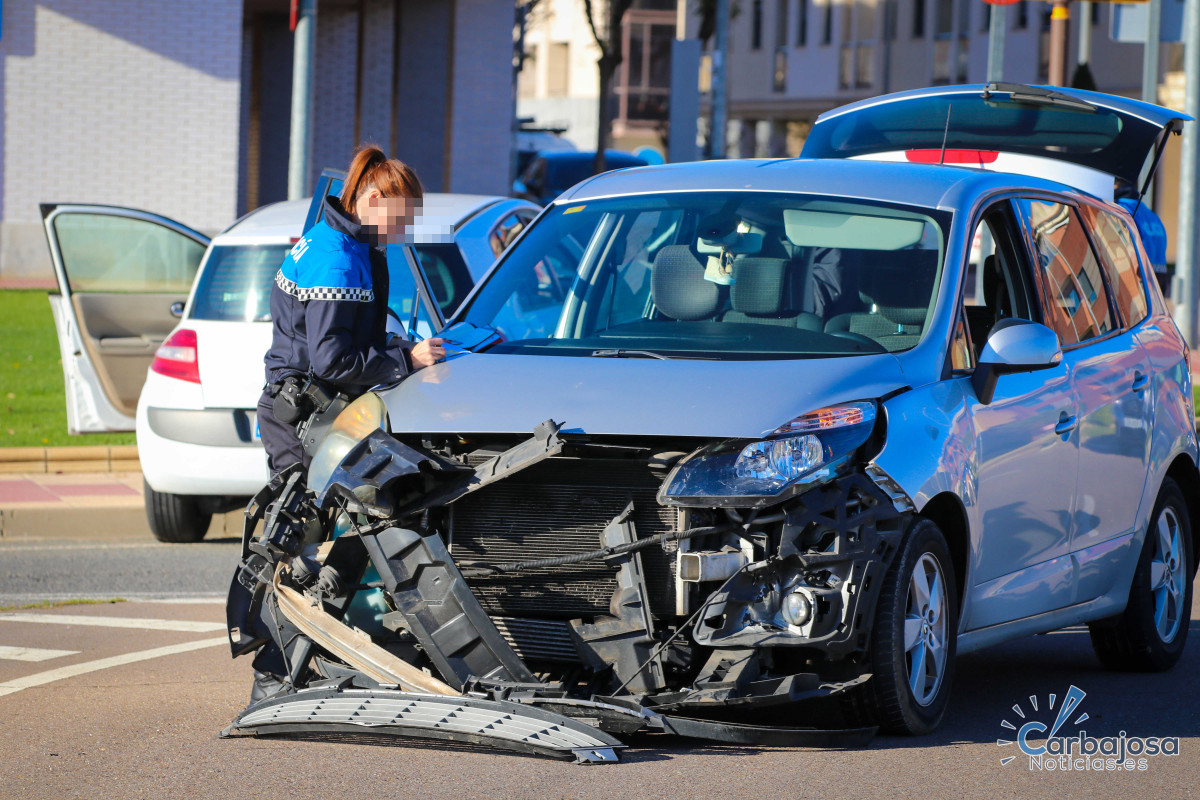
x: 32, y: 653
x: 17, y: 684
x: 116, y: 622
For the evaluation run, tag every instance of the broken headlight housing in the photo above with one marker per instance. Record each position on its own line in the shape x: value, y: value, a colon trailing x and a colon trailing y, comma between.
x: 365, y: 415
x: 808, y: 450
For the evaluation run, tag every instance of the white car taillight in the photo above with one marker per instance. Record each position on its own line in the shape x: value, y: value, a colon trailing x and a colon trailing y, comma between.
x: 176, y: 357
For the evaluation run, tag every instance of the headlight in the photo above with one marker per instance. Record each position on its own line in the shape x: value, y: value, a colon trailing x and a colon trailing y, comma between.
x: 807, y: 450
x: 366, y: 414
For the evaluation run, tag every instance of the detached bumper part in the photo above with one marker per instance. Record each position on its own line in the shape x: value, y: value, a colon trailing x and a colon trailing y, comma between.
x: 497, y: 723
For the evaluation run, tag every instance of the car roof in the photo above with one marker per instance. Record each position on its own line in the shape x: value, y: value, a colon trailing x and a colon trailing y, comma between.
x: 929, y: 185
x: 282, y: 222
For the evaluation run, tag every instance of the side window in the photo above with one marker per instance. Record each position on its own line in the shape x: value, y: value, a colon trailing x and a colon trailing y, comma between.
x: 112, y: 253
x: 1119, y: 256
x: 505, y: 231
x: 1073, y: 299
x: 962, y: 357
x: 998, y: 283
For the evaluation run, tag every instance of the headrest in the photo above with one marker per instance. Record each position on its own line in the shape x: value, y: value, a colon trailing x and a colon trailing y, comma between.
x: 900, y: 284
x: 758, y: 286
x: 678, y: 286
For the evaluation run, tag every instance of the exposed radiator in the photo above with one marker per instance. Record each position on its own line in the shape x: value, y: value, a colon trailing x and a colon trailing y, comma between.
x: 557, y: 508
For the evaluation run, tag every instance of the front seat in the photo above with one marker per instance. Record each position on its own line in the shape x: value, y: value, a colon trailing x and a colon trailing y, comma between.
x: 678, y: 287
x: 897, y: 290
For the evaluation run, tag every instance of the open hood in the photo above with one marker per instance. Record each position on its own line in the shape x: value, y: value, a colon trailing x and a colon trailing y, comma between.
x: 509, y: 393
x: 1005, y: 127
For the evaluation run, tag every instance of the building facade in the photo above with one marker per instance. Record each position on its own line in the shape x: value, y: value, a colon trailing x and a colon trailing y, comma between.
x: 184, y: 108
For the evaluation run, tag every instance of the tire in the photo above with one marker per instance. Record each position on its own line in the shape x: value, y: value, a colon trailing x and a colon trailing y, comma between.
x: 890, y: 699
x: 1150, y: 634
x: 175, y: 518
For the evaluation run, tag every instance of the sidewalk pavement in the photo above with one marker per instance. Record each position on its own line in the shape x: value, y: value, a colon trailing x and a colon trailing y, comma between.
x: 83, y: 505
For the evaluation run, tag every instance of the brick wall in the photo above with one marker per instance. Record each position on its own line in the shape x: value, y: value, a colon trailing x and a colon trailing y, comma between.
x: 126, y: 102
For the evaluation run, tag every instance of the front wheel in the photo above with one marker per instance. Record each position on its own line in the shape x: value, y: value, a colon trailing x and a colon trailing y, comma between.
x: 1149, y: 636
x: 175, y: 518
x: 914, y: 640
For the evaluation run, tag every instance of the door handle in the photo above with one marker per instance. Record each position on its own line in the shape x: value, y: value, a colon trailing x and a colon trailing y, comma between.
x: 1066, y: 424
x: 1140, y: 381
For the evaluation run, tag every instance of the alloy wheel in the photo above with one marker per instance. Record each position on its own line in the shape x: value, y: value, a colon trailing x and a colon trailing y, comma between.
x: 925, y: 620
x: 1167, y: 575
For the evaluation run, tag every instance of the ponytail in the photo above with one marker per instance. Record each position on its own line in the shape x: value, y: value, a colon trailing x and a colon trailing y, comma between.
x: 370, y: 169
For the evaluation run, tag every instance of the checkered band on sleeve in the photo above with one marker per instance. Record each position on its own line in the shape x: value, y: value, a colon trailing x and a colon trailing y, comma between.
x: 323, y: 292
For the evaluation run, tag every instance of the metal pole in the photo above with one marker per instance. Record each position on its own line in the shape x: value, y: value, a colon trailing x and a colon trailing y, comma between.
x: 1188, y: 246
x: 1150, y: 52
x: 300, y: 151
x: 1084, y: 55
x: 1060, y: 21
x: 997, y: 27
x: 717, y: 132
x: 1150, y: 61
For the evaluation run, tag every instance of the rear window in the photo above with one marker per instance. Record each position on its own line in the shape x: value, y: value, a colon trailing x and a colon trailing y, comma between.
x: 235, y: 285
x: 1100, y: 138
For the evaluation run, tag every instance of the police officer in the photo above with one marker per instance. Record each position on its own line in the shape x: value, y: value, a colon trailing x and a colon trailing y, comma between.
x: 329, y: 301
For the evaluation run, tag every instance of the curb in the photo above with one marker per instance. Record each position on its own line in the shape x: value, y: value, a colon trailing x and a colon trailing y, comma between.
x: 93, y: 458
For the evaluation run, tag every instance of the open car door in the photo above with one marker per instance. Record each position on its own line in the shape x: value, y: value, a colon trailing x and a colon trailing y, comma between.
x: 123, y: 277
x: 413, y: 309
x: 1080, y: 138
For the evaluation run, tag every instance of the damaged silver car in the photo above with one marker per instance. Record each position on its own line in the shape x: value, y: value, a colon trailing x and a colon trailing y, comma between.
x: 749, y: 450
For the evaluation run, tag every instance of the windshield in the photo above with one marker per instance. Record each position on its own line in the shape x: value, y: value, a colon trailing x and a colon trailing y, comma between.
x: 729, y: 275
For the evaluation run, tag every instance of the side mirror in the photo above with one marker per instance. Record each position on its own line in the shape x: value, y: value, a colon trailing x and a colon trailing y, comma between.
x: 177, y: 309
x: 519, y: 187
x: 1014, y: 345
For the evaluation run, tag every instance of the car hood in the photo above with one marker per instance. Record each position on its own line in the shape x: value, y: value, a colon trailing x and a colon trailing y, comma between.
x: 508, y: 393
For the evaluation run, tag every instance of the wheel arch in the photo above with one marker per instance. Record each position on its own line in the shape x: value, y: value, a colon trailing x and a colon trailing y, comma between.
x: 946, y: 511
x: 1183, y: 471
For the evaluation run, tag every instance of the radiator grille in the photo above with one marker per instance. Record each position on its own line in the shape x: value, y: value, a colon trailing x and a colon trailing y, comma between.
x: 557, y: 508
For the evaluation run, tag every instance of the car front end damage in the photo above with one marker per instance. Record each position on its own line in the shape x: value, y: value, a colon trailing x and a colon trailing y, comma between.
x: 552, y: 593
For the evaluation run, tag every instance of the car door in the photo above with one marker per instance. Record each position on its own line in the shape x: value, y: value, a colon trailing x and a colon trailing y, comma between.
x: 1109, y: 373
x: 1027, y: 457
x: 123, y: 276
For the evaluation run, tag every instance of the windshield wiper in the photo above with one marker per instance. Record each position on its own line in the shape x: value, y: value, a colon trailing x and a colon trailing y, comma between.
x: 628, y: 354
x: 1036, y: 95
x: 620, y: 353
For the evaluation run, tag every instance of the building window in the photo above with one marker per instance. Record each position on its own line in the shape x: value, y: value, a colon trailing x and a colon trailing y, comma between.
x: 756, y: 27
x: 918, y: 26
x: 856, y: 67
x: 558, y: 69
x: 779, y: 62
x: 943, y: 40
x: 827, y: 23
x: 1022, y: 15
x: 802, y: 24
x: 986, y: 24
x: 643, y: 83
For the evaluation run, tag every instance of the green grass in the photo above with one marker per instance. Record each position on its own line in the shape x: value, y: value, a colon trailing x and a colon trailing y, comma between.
x: 33, y: 411
x: 60, y: 603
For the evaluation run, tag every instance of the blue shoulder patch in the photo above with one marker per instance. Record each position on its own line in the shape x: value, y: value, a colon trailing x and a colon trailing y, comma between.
x: 327, y: 265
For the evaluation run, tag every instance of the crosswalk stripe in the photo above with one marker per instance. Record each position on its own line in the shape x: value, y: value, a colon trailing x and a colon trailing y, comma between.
x: 184, y: 626
x: 32, y: 653
x: 17, y: 684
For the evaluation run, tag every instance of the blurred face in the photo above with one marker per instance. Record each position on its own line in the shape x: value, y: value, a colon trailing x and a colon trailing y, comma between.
x: 386, y: 218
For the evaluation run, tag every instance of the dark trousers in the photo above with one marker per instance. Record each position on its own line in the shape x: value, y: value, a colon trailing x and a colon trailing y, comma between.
x: 280, y: 439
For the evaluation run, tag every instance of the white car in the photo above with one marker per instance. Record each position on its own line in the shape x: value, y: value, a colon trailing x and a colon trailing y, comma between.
x: 158, y: 324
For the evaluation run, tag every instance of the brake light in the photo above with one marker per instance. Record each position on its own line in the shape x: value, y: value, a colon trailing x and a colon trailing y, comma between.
x: 176, y: 357
x: 979, y: 157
